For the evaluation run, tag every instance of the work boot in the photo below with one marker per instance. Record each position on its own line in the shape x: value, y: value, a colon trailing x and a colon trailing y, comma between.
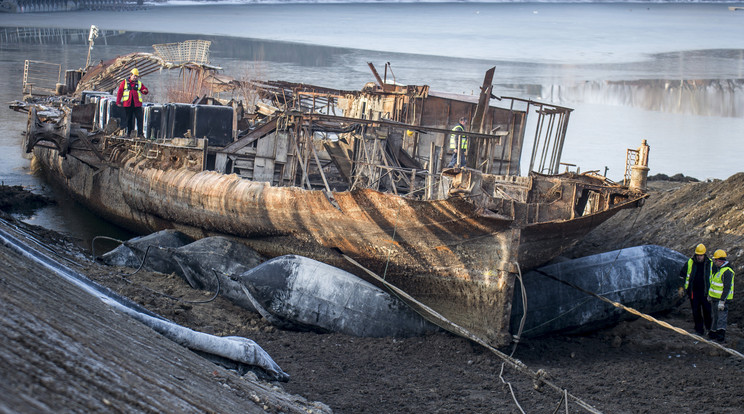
x: 713, y: 335
x: 721, y: 335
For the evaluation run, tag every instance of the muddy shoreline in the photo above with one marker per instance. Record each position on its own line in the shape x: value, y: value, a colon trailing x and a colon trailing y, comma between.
x: 634, y: 366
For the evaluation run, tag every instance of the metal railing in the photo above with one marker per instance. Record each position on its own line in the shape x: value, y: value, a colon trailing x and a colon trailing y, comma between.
x: 41, y: 78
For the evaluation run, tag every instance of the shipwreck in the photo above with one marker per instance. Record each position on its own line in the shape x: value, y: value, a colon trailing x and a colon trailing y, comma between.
x: 317, y: 171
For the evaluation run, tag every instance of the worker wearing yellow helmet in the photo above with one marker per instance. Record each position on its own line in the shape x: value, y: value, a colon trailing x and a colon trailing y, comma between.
x: 458, y: 144
x: 130, y: 96
x: 720, y: 294
x: 696, y: 273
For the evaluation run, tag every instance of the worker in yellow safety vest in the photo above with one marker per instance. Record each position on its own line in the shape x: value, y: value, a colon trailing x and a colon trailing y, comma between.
x: 720, y: 294
x: 129, y: 95
x: 458, y: 152
x: 696, y: 273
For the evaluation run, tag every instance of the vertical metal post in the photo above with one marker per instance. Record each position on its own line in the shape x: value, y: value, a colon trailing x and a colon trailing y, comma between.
x: 432, y: 170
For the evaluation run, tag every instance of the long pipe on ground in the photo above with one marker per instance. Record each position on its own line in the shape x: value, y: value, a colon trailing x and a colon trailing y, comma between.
x: 238, y: 349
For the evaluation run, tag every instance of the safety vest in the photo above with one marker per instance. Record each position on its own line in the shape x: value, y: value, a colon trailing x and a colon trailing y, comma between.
x: 125, y: 95
x: 705, y: 264
x: 716, y: 283
x: 453, y: 138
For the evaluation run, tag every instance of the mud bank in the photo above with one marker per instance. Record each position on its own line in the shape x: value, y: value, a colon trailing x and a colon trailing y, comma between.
x: 633, y: 367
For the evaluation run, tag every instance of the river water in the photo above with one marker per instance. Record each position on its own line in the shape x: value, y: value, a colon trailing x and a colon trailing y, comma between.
x: 669, y: 73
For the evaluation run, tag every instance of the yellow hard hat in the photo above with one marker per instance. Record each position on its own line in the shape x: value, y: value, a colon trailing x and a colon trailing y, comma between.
x: 700, y: 249
x: 135, y: 72
x: 409, y: 132
x: 719, y: 254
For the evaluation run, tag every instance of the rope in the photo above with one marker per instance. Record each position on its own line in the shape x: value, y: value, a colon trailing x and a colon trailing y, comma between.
x: 521, y: 324
x: 524, y: 310
x: 538, y: 377
x: 93, y: 244
x: 644, y: 316
x: 511, y: 390
x: 141, y: 265
x: 638, y: 313
x: 517, y: 336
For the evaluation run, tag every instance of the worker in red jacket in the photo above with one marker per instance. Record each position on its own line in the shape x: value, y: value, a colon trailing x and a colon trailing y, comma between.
x: 130, y: 96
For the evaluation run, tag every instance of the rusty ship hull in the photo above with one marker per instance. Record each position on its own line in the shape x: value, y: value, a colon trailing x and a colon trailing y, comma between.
x: 446, y: 253
x: 333, y: 175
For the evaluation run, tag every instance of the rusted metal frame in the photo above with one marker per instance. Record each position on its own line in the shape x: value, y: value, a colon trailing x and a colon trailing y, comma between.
x: 397, y: 169
x: 396, y: 105
x: 199, y: 83
x: 332, y: 104
x: 458, y: 149
x: 412, y: 184
x: 356, y: 172
x: 189, y: 78
x: 555, y: 127
x: 186, y: 82
x: 557, y: 142
x: 432, y: 170
x: 372, y: 163
x: 384, y: 86
x: 548, y: 143
x: 399, y: 125
x: 204, y: 156
x: 553, y: 107
x: 271, y: 87
x: 631, y: 155
x: 380, y: 177
x: 43, y: 74
x: 327, y: 95
x: 195, y: 83
x: 489, y: 156
x: 510, y: 144
x: 446, y: 141
x: 389, y: 170
x: 358, y: 167
x: 309, y: 133
x: 387, y: 65
x: 522, y: 127
x: 367, y: 164
x: 564, y: 128
x: 82, y: 136
x: 306, y: 141
x: 556, y: 156
x: 415, y: 121
x: 25, y: 73
x: 538, y: 134
x: 111, y: 79
x: 295, y: 157
x: 483, y: 101
x: 305, y: 180
x: 490, y: 150
x: 284, y: 98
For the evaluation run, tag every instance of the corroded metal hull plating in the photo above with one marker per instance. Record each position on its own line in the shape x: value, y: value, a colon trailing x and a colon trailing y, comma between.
x: 316, y: 171
x: 447, y: 253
